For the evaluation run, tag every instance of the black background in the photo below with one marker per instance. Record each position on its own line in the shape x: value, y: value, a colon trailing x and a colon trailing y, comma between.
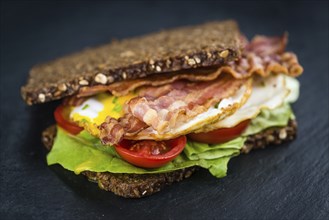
x: 287, y: 182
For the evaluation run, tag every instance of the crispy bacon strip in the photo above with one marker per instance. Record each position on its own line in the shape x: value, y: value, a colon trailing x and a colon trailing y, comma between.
x: 262, y: 56
x: 116, y: 129
x: 166, y: 107
x: 124, y: 87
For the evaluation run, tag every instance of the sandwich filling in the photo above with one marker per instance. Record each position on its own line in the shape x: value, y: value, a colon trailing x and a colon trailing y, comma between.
x: 154, y: 114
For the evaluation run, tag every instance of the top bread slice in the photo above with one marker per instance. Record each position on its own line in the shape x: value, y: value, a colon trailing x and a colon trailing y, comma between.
x: 209, y: 44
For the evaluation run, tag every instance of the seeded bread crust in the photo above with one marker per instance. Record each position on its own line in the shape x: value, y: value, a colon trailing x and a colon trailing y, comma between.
x: 140, y: 185
x: 209, y: 44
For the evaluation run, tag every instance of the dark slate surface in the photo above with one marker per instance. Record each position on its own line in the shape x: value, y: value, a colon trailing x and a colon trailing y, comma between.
x: 287, y: 182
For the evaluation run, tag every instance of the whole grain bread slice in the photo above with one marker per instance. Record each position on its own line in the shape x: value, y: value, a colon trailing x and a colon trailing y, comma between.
x: 140, y: 185
x: 209, y: 44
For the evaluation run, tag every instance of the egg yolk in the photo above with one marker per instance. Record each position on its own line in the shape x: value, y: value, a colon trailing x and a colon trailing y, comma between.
x: 94, y: 110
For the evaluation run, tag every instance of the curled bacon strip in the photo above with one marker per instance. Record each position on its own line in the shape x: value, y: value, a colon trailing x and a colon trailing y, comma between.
x: 112, y: 130
x: 166, y: 107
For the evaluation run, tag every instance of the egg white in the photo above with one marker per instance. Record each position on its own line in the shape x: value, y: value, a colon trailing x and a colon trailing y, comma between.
x: 267, y: 93
x: 90, y: 109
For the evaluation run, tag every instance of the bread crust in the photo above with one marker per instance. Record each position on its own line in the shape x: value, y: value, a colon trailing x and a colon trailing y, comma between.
x: 140, y: 185
x: 209, y: 44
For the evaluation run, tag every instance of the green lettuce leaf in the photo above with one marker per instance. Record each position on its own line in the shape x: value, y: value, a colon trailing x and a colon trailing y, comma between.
x: 270, y: 118
x: 195, y: 150
x: 85, y: 152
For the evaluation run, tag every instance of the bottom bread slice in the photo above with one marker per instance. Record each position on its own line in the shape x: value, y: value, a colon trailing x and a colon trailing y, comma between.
x: 140, y: 185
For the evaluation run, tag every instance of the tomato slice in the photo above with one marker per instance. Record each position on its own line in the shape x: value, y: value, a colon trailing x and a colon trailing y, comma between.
x: 149, y: 153
x: 62, y: 118
x: 220, y: 135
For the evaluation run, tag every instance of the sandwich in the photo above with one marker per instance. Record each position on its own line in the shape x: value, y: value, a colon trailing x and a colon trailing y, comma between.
x: 142, y: 113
